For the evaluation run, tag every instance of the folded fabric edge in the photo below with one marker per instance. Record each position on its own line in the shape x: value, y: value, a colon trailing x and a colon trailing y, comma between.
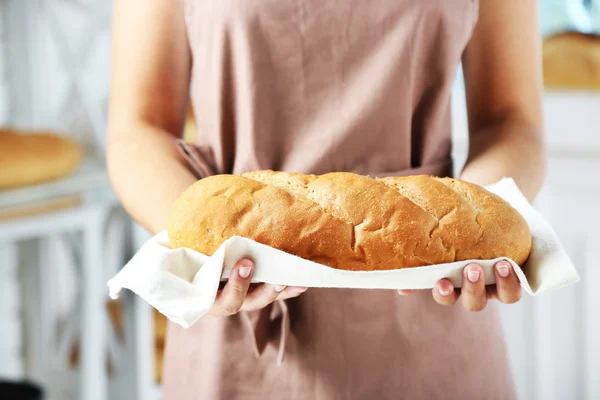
x: 151, y: 302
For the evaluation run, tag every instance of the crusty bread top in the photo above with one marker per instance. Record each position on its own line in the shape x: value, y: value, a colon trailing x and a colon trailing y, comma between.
x: 350, y: 221
x: 28, y: 158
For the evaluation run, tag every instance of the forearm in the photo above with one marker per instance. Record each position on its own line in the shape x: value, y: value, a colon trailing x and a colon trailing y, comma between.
x: 147, y: 173
x: 507, y: 149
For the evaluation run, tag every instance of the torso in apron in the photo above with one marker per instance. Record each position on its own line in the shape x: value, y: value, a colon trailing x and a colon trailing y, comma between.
x: 318, y: 86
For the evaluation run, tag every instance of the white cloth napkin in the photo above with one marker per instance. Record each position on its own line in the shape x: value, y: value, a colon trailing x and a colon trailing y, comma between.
x: 182, y: 283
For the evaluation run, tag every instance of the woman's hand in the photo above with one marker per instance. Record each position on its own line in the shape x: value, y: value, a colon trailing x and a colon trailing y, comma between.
x: 474, y: 294
x: 237, y: 294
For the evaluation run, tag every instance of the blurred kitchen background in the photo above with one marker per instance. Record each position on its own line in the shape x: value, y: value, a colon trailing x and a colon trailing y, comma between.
x: 61, y: 240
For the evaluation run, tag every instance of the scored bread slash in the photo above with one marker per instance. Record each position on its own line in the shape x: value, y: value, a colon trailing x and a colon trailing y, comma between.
x: 349, y: 221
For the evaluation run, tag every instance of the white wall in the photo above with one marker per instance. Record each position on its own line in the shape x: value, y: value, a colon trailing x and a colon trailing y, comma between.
x: 59, y: 66
x: 3, y: 72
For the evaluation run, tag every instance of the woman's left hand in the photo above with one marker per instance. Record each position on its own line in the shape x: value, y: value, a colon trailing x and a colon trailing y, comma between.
x: 474, y: 294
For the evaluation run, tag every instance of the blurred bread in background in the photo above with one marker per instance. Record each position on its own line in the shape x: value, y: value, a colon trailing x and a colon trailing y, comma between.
x: 571, y: 61
x: 27, y: 158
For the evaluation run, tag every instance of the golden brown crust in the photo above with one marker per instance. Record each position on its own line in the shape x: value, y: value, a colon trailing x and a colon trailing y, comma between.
x: 31, y: 158
x: 350, y: 221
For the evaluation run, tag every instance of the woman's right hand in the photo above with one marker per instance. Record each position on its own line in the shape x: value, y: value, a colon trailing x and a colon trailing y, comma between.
x: 238, y: 295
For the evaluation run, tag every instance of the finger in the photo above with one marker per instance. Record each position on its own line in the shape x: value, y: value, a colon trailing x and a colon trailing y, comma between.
x: 232, y: 295
x: 261, y: 296
x: 405, y: 292
x: 291, y: 292
x: 508, y: 287
x: 473, y: 293
x: 444, y: 292
x: 265, y: 294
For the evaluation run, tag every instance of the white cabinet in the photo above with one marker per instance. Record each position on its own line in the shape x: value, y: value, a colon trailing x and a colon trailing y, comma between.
x: 553, y: 339
x: 11, y: 362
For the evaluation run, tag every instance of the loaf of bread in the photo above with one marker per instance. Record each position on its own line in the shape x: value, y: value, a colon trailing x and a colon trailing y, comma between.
x: 28, y: 158
x: 572, y: 61
x: 349, y: 221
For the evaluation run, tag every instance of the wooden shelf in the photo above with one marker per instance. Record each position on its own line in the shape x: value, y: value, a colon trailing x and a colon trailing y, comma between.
x: 90, y: 176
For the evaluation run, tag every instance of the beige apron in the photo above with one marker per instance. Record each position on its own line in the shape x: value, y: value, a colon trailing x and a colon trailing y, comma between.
x: 317, y: 86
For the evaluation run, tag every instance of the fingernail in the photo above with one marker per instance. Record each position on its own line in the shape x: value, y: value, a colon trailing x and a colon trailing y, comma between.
x: 299, y: 289
x: 503, y: 269
x: 279, y: 288
x: 244, y: 270
x: 445, y: 292
x: 473, y: 274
